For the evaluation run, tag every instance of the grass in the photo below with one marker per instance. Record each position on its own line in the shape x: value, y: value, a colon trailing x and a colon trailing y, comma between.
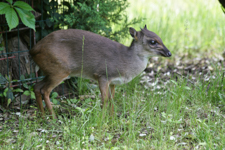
x: 180, y: 115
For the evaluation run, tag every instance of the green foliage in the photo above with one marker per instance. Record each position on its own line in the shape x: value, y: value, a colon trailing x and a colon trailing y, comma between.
x: 24, y: 11
x: 53, y: 97
x: 29, y: 88
x: 49, y: 10
x: 29, y: 93
x: 7, y: 92
x: 97, y: 16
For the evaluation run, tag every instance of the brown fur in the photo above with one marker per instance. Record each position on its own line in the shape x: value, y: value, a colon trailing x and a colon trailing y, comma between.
x: 69, y: 52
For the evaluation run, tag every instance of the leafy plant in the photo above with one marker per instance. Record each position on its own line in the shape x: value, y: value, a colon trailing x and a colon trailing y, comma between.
x: 53, y: 98
x: 49, y: 10
x: 7, y: 92
x: 97, y: 16
x: 29, y: 88
x: 11, y: 10
x: 29, y: 91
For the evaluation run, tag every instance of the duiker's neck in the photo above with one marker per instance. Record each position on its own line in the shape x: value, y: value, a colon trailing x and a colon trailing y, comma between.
x: 137, y: 49
x: 135, y: 60
x: 132, y: 45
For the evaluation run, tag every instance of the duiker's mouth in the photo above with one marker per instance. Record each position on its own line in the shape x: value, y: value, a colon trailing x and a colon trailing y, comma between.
x: 168, y: 54
x: 165, y: 54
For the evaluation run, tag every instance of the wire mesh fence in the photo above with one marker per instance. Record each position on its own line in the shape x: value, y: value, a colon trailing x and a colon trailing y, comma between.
x: 18, y: 73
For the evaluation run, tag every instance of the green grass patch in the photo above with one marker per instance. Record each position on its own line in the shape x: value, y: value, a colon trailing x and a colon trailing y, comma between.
x: 178, y: 115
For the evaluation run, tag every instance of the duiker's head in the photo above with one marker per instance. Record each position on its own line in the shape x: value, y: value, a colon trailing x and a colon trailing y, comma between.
x: 151, y: 43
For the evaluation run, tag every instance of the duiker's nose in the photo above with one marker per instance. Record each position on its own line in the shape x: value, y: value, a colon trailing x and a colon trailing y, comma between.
x: 169, y: 54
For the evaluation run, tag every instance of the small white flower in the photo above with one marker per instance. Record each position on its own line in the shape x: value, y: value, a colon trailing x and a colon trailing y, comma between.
x: 142, y: 134
x: 91, y: 138
x: 172, y: 138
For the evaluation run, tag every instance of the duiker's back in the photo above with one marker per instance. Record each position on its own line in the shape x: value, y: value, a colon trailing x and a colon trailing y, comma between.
x: 78, y: 49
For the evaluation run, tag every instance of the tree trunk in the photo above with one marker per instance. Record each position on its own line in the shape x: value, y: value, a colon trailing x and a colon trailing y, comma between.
x: 19, y: 62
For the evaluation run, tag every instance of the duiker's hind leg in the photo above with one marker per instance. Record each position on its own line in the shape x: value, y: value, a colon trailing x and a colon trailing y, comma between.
x: 38, y: 94
x: 49, y: 83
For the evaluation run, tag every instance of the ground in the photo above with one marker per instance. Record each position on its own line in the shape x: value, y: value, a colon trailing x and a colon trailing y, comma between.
x: 175, y: 104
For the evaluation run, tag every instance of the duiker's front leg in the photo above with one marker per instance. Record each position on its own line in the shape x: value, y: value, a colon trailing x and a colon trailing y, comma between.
x: 111, y: 97
x: 104, y: 89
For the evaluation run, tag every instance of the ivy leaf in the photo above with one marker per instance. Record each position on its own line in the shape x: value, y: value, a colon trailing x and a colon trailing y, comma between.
x: 27, y: 18
x: 5, y: 92
x: 32, y: 95
x: 9, y: 101
x: 10, y: 1
x: 23, y: 5
x: 27, y: 93
x: 54, y: 101
x: 3, y: 7
x: 25, y: 85
x: 11, y: 18
x: 54, y: 95
x: 18, y: 90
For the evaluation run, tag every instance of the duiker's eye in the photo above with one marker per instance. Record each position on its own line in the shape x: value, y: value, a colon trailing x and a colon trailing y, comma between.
x: 153, y: 42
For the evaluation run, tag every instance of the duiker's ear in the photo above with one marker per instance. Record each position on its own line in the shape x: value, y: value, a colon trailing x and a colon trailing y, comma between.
x: 142, y: 30
x: 145, y: 27
x: 133, y: 33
